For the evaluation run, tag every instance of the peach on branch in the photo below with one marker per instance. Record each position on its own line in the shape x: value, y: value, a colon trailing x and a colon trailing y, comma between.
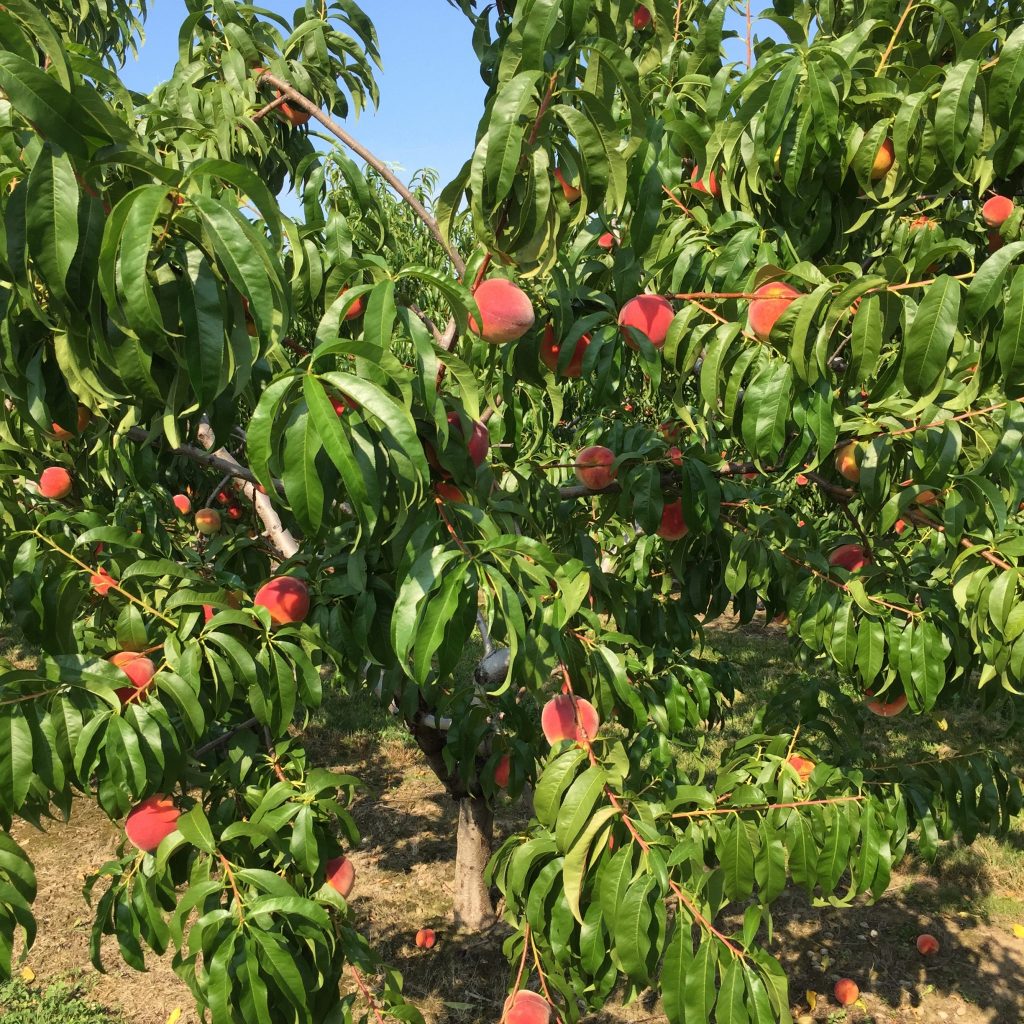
x: 674, y: 455
x: 207, y: 521
x: 571, y: 192
x: 996, y: 211
x: 502, y: 770
x: 801, y: 766
x: 478, y: 445
x: 673, y: 525
x: 712, y: 188
x: 426, y: 938
x: 851, y: 557
x: 55, y: 482
x: 101, y: 581
x: 506, y: 312
x: 526, y: 1007
x: 151, y: 821
x: 594, y: 467
x: 448, y: 492
x: 566, y: 717
x: 606, y: 241
x: 235, y: 512
x: 883, y: 161
x: 356, y: 309
x: 83, y: 418
x: 550, y: 349
x: 848, y: 459
x: 846, y: 992
x: 886, y: 709
x: 139, y: 669
x: 769, y: 303
x: 295, y: 116
x: 641, y: 17
x: 651, y: 315
x: 341, y: 875
x: 286, y: 598
x: 927, y: 945
x: 182, y: 503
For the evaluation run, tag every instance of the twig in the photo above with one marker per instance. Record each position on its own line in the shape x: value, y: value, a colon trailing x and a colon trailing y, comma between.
x: 224, y: 737
x: 895, y: 32
x: 234, y: 887
x: 272, y: 105
x: 367, y: 994
x: 272, y: 754
x: 375, y: 162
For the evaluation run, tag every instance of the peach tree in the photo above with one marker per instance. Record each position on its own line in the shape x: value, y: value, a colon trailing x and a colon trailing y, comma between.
x: 706, y: 321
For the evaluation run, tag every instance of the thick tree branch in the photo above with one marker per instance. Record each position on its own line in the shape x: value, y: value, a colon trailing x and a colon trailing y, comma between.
x: 375, y: 162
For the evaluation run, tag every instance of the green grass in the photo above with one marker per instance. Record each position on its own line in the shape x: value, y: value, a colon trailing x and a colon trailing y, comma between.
x: 55, y: 1004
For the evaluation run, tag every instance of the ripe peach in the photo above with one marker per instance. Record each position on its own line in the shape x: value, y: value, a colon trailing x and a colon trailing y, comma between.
x: 448, y: 492
x: 571, y: 192
x: 63, y: 434
x: 899, y: 526
x: 801, y: 766
x: 886, y: 710
x: 140, y: 670
x: 674, y: 455
x: 182, y: 504
x: 524, y: 1006
x: 671, y: 430
x: 927, y: 945
x: 558, y: 719
x: 356, y: 309
x: 286, y: 598
x: 923, y: 223
x: 55, y: 482
x: 549, y: 350
x: 606, y: 241
x: 673, y: 525
x: 207, y: 521
x: 851, y: 557
x: 235, y: 512
x: 651, y: 315
x: 846, y: 992
x: 505, y: 310
x: 641, y: 17
x: 151, y: 821
x: 295, y: 116
x: 883, y: 161
x: 479, y: 440
x: 594, y: 467
x: 425, y: 938
x: 848, y: 461
x: 926, y: 498
x: 341, y: 875
x: 101, y: 581
x: 770, y: 303
x: 501, y: 771
x: 996, y: 211
x: 712, y: 188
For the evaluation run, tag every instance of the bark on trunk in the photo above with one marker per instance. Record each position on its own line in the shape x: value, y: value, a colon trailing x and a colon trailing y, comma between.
x: 472, y: 909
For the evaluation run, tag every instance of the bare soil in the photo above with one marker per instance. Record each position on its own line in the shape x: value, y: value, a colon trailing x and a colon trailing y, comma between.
x: 404, y: 882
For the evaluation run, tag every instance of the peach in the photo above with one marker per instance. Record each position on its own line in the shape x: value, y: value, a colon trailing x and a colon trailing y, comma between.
x: 671, y: 430
x: 505, y: 311
x: 886, y: 710
x: 801, y: 766
x: 479, y: 440
x: 425, y: 938
x: 846, y: 992
x: 55, y: 482
x: 295, y: 116
x: 673, y: 525
x: 712, y: 188
x: 286, y: 598
x: 996, y: 211
x: 207, y: 521
x: 899, y: 526
x: 182, y: 504
x: 606, y: 241
x: 594, y: 467
x: 571, y: 192
x: 883, y: 161
x: 101, y: 581
x: 524, y: 1006
x: 140, y: 670
x: 151, y: 821
x: 848, y: 461
x: 341, y: 875
x: 770, y: 302
x: 926, y: 498
x: 927, y: 945
x: 923, y: 223
x: 549, y: 350
x: 356, y: 309
x: 851, y: 557
x: 501, y: 771
x: 641, y: 17
x: 674, y: 455
x: 448, y: 492
x: 567, y: 718
x: 63, y: 434
x: 651, y: 315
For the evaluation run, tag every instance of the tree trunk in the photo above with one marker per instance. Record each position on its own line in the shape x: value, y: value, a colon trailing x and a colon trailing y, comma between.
x: 472, y: 908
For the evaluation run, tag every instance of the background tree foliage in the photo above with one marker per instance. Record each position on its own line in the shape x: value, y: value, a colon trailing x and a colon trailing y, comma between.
x: 150, y: 276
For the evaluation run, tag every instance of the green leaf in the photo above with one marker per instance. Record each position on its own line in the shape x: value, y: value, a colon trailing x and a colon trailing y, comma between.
x: 678, y: 958
x: 1010, y: 340
x: 926, y: 346
x: 633, y: 921
x: 574, y: 867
